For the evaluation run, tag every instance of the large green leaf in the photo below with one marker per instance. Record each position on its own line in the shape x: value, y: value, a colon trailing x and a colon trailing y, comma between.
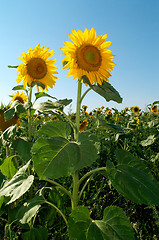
x: 55, y: 157
x: 114, y: 225
x: 18, y: 185
x: 54, y: 129
x: 105, y: 90
x: 23, y: 147
x: 8, y: 168
x: 132, y: 179
x: 30, y: 208
x: 49, y: 106
x: 36, y: 234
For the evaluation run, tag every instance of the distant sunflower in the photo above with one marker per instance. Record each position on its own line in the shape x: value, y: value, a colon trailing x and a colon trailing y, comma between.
x: 88, y: 55
x: 37, y: 69
x: 135, y: 109
x: 154, y: 108
x: 83, y: 125
x: 21, y: 97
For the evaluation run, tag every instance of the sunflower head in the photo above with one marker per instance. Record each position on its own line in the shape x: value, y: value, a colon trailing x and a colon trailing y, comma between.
x: 135, y: 109
x: 37, y: 69
x: 21, y: 97
x: 154, y: 108
x: 84, y: 107
x: 83, y: 125
x: 88, y: 56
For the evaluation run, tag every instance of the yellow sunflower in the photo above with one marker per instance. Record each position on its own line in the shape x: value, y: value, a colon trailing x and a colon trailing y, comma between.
x: 135, y: 109
x: 154, y: 108
x: 88, y: 55
x: 37, y: 69
x: 83, y: 125
x: 21, y: 97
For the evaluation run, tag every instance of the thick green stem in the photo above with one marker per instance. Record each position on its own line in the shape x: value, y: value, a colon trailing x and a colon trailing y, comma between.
x: 75, y: 197
x: 29, y: 114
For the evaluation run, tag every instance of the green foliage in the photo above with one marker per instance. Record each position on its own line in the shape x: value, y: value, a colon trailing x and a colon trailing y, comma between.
x: 114, y: 225
x: 36, y: 234
x: 131, y: 179
x: 105, y: 90
x: 18, y: 185
x: 8, y: 168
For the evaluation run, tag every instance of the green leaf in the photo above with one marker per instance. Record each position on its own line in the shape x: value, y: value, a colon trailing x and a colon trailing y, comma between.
x: 16, y: 107
x: 36, y: 234
x: 9, y: 133
x: 55, y: 157
x: 156, y: 102
x: 19, y: 87
x: 18, y: 185
x: 114, y: 225
x: 132, y: 179
x: 23, y: 147
x: 49, y: 106
x: 105, y: 90
x: 30, y: 208
x: 9, y: 66
x: 9, y: 114
x: 8, y: 168
x: 53, y: 129
x: 43, y: 94
x: 112, y: 126
x: 149, y: 141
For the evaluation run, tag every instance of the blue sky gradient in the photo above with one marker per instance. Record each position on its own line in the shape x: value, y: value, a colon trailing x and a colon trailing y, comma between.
x: 131, y: 25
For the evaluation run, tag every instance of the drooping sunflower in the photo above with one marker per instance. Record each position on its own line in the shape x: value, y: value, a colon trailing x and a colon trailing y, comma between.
x: 21, y: 97
x: 154, y: 108
x: 88, y: 56
x: 37, y: 69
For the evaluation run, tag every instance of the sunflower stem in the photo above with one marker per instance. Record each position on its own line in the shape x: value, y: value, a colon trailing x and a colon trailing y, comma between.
x: 29, y: 114
x: 75, y: 197
x: 85, y: 94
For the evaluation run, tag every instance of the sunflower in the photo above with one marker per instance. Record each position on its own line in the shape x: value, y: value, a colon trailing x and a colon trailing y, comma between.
x: 83, y: 125
x: 37, y: 69
x: 88, y: 56
x: 21, y: 97
x: 154, y: 108
x: 135, y: 109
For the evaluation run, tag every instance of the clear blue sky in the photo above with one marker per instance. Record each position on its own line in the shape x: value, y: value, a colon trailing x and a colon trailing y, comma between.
x: 131, y: 25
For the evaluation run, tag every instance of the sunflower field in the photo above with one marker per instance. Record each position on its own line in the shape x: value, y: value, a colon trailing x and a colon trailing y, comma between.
x: 77, y: 175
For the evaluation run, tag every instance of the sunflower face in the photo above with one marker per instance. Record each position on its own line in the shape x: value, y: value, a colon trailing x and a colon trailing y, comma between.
x: 154, y: 108
x: 21, y: 97
x: 136, y: 109
x: 37, y: 68
x: 88, y: 56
